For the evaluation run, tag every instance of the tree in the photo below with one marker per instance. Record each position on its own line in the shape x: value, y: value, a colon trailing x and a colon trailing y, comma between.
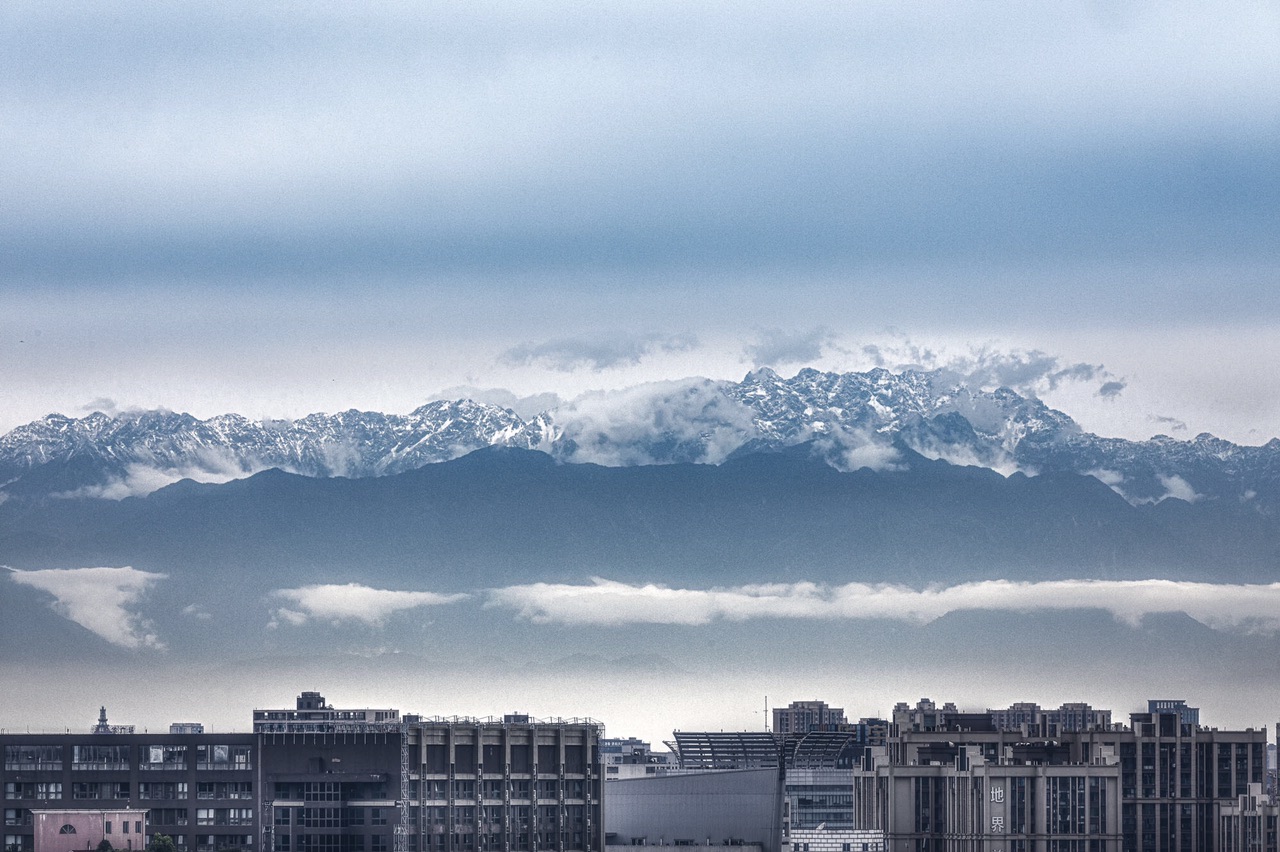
x: 105, y: 846
x: 161, y: 843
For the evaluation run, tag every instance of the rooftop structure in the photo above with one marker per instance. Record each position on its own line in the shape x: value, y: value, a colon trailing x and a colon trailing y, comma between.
x: 313, y: 716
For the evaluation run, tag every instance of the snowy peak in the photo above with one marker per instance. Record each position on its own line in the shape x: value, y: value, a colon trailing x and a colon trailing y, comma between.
x: 854, y: 419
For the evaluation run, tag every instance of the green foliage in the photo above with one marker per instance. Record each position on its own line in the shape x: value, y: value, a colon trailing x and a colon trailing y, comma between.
x: 105, y: 846
x: 161, y: 843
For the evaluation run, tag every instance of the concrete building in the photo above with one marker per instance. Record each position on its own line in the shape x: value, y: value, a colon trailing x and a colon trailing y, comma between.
x: 77, y: 830
x: 972, y: 803
x: 801, y: 717
x: 1037, y: 721
x: 329, y: 792
x: 512, y: 784
x: 1173, y: 775
x: 1249, y: 824
x: 924, y: 716
x: 1187, y: 715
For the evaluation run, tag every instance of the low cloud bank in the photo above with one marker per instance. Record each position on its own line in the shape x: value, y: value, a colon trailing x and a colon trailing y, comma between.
x: 140, y: 479
x: 1253, y: 608
x: 100, y: 600
x: 349, y: 602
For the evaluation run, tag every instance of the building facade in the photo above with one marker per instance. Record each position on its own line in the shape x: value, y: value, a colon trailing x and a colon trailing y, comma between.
x: 801, y: 717
x: 200, y: 789
x: 510, y: 784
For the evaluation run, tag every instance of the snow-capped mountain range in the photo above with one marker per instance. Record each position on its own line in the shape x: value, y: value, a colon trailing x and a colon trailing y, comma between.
x: 852, y: 419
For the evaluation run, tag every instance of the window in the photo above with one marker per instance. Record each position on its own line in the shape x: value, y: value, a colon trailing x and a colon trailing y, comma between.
x: 124, y: 826
x: 48, y: 790
x: 107, y: 827
x: 17, y: 816
x: 377, y: 816
x: 164, y: 757
x: 100, y: 757
x: 204, y: 816
x: 32, y: 757
x: 217, y: 756
x: 137, y: 826
x: 67, y: 829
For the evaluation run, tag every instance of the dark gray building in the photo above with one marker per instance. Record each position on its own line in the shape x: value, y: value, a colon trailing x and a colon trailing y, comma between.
x: 511, y: 784
x: 201, y: 789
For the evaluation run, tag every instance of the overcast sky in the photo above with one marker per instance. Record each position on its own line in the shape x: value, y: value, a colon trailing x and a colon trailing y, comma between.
x: 281, y: 208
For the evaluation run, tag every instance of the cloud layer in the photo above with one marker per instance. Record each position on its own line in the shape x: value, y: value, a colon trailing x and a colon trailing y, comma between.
x: 101, y: 600
x: 350, y: 602
x: 611, y: 603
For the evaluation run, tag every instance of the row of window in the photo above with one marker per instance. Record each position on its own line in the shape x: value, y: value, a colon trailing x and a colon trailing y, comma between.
x: 330, y: 817
x: 203, y: 842
x: 147, y: 790
x: 224, y: 816
x: 330, y: 843
x: 495, y: 789
x: 211, y: 756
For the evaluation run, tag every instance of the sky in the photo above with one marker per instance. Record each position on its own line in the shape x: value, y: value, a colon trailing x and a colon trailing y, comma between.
x: 278, y: 208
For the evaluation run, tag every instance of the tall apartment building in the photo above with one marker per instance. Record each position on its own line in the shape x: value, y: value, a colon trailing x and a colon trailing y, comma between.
x: 801, y: 717
x: 1046, y: 722
x: 924, y: 716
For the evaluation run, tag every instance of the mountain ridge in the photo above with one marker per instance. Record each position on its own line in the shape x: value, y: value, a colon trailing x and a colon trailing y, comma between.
x: 856, y: 419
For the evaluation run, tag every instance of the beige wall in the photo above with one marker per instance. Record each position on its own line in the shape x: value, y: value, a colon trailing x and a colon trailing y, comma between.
x: 128, y: 829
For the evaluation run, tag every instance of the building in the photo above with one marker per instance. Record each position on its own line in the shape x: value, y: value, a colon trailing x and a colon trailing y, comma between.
x: 330, y: 792
x: 515, y: 783
x: 1249, y: 824
x: 924, y: 716
x: 200, y: 789
x: 1030, y: 717
x: 1187, y: 715
x: 62, y: 830
x: 312, y: 715
x: 1174, y: 776
x: 974, y: 803
x: 728, y: 807
x: 633, y: 758
x: 801, y: 717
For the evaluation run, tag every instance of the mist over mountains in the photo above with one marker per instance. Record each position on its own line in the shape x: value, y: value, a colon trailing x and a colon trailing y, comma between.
x: 877, y: 420
x: 697, y: 527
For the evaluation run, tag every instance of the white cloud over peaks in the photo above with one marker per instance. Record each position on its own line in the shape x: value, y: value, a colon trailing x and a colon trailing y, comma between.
x: 101, y: 600
x: 1178, y: 488
x: 350, y: 602
x: 609, y: 603
x: 140, y: 479
x: 1029, y: 372
x: 655, y: 423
